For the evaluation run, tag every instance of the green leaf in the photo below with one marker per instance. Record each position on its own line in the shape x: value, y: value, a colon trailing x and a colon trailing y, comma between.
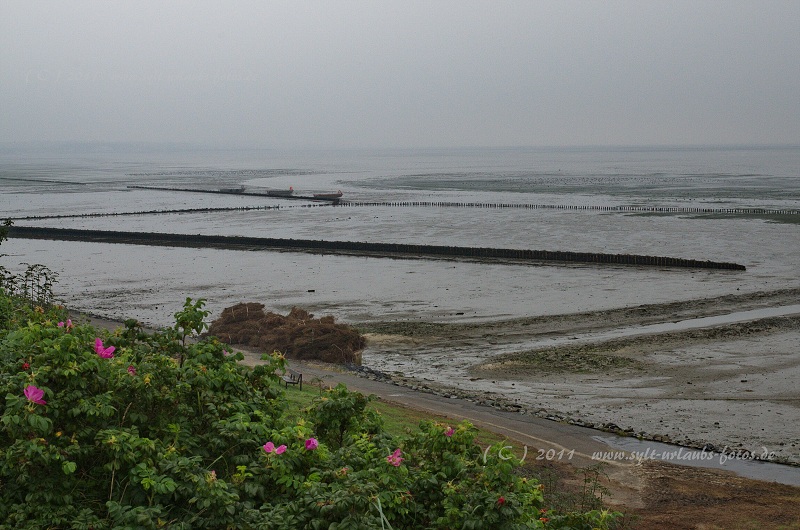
x: 68, y: 467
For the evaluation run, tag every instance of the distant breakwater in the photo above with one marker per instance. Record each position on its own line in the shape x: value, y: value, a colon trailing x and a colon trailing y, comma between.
x: 360, y: 248
x: 622, y: 208
x: 411, y: 204
x: 458, y: 204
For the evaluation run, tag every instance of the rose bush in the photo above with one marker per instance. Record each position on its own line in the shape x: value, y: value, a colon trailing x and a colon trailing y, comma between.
x: 138, y: 430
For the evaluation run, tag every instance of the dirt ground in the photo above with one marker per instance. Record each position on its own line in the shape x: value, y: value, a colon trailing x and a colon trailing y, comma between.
x: 657, y: 495
x: 679, y: 497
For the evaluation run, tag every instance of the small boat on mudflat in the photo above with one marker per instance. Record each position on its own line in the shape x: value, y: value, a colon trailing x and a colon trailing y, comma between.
x: 280, y: 193
x: 335, y: 195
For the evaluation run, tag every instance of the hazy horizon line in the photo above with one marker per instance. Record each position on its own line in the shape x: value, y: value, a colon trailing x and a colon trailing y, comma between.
x: 245, y: 147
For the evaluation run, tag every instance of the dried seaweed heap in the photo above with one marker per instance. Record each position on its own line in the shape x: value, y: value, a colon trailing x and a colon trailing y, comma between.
x: 297, y: 335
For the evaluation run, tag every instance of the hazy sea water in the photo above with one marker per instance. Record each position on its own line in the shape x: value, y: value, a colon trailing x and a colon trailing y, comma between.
x: 150, y: 283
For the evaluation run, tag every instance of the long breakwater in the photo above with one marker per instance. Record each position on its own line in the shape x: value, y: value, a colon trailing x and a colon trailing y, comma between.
x: 392, y: 250
x: 585, y: 207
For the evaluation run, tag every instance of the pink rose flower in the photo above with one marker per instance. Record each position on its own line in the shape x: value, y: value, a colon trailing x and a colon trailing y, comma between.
x: 269, y: 447
x: 105, y: 353
x: 395, y: 459
x: 311, y: 444
x: 34, y: 395
x: 449, y: 432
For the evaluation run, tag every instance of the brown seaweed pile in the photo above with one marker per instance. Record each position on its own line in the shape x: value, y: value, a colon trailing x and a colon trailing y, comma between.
x: 297, y: 335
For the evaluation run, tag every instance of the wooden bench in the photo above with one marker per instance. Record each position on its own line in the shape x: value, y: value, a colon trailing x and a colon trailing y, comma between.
x: 292, y: 377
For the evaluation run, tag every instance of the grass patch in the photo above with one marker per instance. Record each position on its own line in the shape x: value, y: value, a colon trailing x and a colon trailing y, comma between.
x: 791, y: 219
x: 558, y: 360
x: 771, y: 218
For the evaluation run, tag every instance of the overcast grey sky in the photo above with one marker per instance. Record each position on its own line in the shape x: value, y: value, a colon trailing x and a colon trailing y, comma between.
x: 401, y: 74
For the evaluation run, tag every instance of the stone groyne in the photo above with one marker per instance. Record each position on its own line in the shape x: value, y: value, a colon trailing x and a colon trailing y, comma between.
x: 361, y: 248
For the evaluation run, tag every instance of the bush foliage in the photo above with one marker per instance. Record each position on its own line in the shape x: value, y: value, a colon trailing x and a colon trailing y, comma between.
x: 137, y: 430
